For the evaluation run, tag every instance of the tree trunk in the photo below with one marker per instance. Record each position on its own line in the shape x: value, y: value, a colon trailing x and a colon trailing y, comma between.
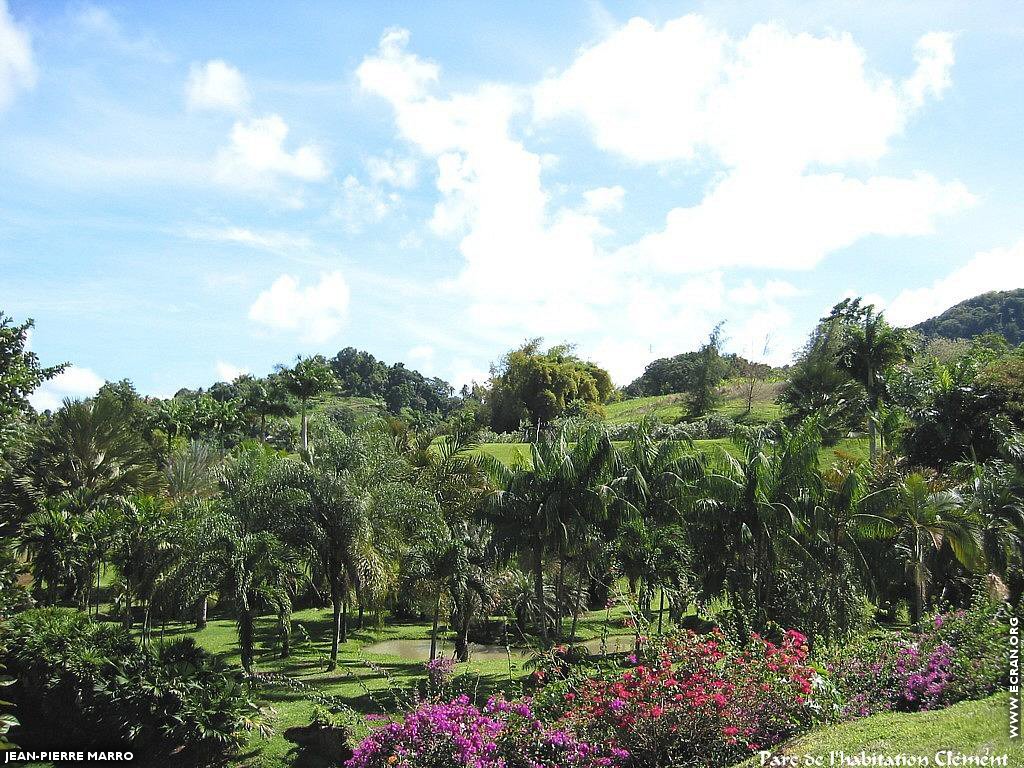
x: 344, y: 618
x: 200, y: 612
x: 576, y: 608
x: 433, y: 631
x: 661, y: 609
x: 462, y: 635
x: 538, y: 588
x: 246, y: 636
x: 284, y: 630
x: 335, y: 623
x: 559, y: 593
x: 359, y: 623
x: 305, y: 427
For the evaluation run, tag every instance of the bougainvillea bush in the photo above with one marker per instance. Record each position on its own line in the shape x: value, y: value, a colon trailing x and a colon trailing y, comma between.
x: 955, y: 656
x: 458, y: 734
x: 682, y: 701
x: 696, y: 700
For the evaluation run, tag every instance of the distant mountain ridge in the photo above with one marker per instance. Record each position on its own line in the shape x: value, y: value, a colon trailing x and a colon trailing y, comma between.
x: 999, y: 312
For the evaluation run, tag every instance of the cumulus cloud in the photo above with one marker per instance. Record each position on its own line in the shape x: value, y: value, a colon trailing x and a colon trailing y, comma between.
x: 216, y: 85
x: 228, y: 372
x: 316, y: 312
x: 765, y: 220
x: 17, y: 67
x: 791, y: 125
x: 1000, y: 269
x: 396, y: 171
x: 360, y: 205
x: 603, y: 199
x: 257, y: 155
x: 768, y: 108
x: 75, y: 383
x: 656, y: 94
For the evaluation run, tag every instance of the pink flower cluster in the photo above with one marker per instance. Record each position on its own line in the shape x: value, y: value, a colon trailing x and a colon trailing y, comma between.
x: 457, y: 734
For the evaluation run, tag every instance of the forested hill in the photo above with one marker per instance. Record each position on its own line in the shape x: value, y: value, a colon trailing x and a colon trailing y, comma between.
x: 999, y: 312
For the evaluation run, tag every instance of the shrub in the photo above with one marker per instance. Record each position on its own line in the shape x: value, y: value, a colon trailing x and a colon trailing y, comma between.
x: 694, y: 701
x: 957, y: 656
x: 504, y: 734
x: 92, y: 684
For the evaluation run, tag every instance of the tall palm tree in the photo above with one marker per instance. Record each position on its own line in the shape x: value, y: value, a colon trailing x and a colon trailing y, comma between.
x: 919, y: 518
x: 453, y: 473
x: 870, y: 349
x: 311, y: 376
x: 536, y: 506
x: 748, y: 515
x: 143, y: 553
x: 356, y: 501
x: 653, y: 481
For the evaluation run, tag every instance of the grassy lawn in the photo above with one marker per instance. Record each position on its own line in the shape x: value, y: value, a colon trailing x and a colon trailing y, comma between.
x: 672, y: 408
x: 853, y: 448
x: 971, y: 728
x: 366, y: 682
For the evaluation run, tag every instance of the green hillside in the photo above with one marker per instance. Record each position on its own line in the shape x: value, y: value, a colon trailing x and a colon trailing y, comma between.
x: 855, y: 448
x: 671, y: 408
x: 999, y: 312
x: 968, y: 728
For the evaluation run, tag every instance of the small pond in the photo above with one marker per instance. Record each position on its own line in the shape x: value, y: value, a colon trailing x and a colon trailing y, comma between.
x: 419, y: 649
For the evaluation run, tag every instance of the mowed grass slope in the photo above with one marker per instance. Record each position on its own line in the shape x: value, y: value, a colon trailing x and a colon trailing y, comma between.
x: 848, y: 449
x: 671, y: 408
x: 968, y: 728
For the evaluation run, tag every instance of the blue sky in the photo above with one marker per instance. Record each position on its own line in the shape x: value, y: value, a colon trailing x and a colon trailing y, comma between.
x: 191, y: 190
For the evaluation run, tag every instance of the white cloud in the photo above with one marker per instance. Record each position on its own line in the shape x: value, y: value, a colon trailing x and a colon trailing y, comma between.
x: 603, y: 199
x: 656, y: 94
x: 74, y: 382
x: 216, y: 85
x: 361, y: 205
x: 423, y: 353
x: 228, y: 372
x: 257, y: 155
x: 396, y: 171
x: 748, y: 293
x: 99, y: 23
x: 1001, y: 269
x: 269, y: 240
x: 17, y: 67
x: 934, y: 56
x: 792, y: 125
x: 790, y: 221
x: 317, y: 312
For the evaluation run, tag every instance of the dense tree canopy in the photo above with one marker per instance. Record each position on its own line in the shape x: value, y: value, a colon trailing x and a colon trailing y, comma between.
x: 530, y: 385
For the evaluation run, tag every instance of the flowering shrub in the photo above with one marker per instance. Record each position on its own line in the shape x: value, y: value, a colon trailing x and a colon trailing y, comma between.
x: 503, y: 734
x: 956, y: 656
x: 694, y: 701
x: 439, y: 673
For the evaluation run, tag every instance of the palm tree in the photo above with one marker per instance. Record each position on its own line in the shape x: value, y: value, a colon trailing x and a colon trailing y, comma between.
x: 263, y: 398
x: 192, y: 471
x: 749, y: 514
x: 453, y: 474
x: 870, y: 349
x: 310, y: 377
x: 919, y: 517
x: 654, y: 479
x: 537, y: 507
x: 91, y: 448
x: 356, y: 496
x: 143, y: 553
x: 53, y: 539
